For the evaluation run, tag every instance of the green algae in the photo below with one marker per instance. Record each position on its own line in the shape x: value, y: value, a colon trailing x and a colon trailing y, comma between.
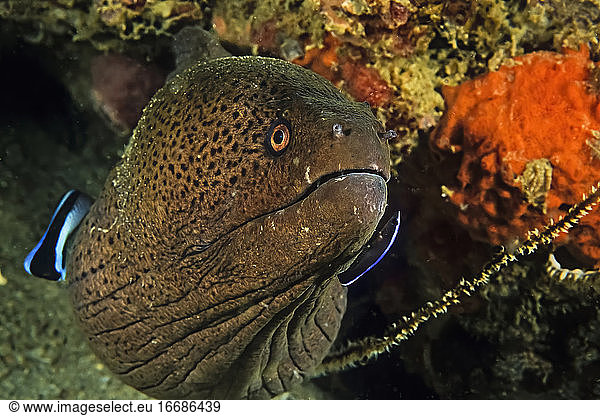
x: 104, y: 23
x: 250, y: 23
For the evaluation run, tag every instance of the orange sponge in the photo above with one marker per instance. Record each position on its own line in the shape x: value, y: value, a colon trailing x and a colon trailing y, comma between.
x: 529, y: 138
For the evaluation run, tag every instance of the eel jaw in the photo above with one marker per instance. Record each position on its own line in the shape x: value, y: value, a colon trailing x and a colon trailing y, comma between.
x: 334, y: 175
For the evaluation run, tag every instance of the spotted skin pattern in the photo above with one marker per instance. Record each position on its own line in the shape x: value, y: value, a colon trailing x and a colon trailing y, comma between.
x: 207, y: 266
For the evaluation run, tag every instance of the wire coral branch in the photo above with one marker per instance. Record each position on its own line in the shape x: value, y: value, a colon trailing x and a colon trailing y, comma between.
x: 360, y: 351
x: 556, y: 271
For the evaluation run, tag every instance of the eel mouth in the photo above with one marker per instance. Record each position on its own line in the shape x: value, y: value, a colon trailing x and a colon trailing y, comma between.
x: 310, y: 190
x: 317, y: 184
x: 331, y: 176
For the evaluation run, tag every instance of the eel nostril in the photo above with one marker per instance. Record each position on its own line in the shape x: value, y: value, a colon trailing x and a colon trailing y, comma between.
x: 388, y: 135
x: 338, y: 131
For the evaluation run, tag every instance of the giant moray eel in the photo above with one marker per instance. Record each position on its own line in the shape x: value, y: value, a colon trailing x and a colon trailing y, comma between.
x: 207, y: 267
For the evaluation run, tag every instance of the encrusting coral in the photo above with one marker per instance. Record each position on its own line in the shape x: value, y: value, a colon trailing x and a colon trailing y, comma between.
x: 361, y: 82
x: 408, y: 48
x: 104, y: 23
x: 527, y: 135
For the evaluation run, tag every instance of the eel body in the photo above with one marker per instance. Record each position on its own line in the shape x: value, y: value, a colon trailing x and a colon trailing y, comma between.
x: 207, y: 266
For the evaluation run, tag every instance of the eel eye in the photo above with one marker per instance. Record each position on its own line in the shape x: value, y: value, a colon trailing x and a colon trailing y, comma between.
x: 278, y: 137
